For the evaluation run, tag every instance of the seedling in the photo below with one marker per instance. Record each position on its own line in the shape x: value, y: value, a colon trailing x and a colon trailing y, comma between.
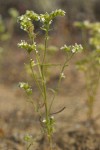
x: 38, y: 66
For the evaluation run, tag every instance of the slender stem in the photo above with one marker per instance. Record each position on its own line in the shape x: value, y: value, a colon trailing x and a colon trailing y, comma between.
x: 50, y: 141
x: 91, y: 92
x: 84, y: 39
x: 43, y: 89
x: 43, y: 76
x: 48, y: 126
x: 59, y: 81
x: 52, y: 65
x: 35, y: 80
x: 38, y: 63
x: 29, y: 146
x: 45, y: 50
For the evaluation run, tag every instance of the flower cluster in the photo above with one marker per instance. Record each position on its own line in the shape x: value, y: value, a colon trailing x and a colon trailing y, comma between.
x: 46, y: 19
x: 94, y: 32
x: 62, y: 75
x: 84, y: 25
x: 32, y: 15
x: 32, y: 63
x: 28, y: 47
x: 26, y: 20
x: 73, y: 48
x: 57, y: 13
x: 51, y: 123
x: 26, y: 87
x: 95, y: 35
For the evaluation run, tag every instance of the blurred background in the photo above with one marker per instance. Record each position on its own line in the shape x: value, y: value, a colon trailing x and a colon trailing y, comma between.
x: 10, y: 32
x: 16, y: 114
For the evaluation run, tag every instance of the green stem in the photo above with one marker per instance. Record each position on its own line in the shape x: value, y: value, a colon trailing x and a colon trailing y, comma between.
x: 50, y: 141
x: 29, y: 146
x: 43, y: 76
x: 91, y: 93
x: 51, y: 65
x: 35, y: 80
x: 59, y: 81
x: 45, y: 50
x: 84, y: 39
